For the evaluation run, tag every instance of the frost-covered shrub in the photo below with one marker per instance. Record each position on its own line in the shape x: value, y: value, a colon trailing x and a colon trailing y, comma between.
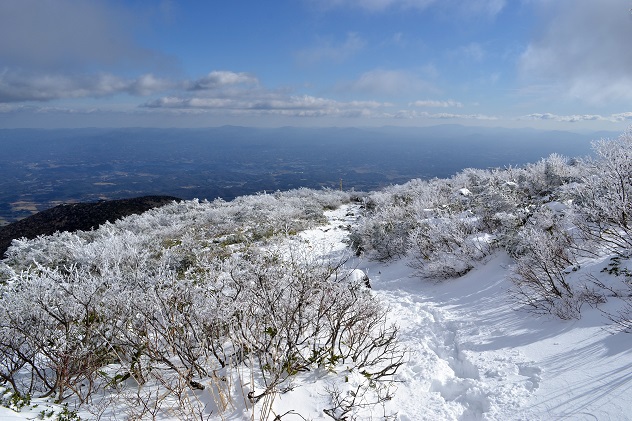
x: 448, y: 246
x: 545, y: 258
x: 53, y: 336
x: 604, y: 198
x: 583, y: 207
x: 383, y: 236
x: 195, y: 297
x: 306, y: 314
x: 142, y: 237
x: 433, y: 222
x: 446, y: 226
x: 616, y: 281
x: 544, y: 177
x: 392, y: 214
x: 7, y: 274
x: 545, y: 215
x: 278, y: 313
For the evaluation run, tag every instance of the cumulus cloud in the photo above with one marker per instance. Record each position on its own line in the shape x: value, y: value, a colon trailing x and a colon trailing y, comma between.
x: 148, y: 84
x: 328, y: 51
x: 265, y: 102
x: 464, y: 116
x: 242, y: 93
x: 564, y: 118
x: 619, y: 117
x: 583, y: 49
x: 389, y: 83
x: 436, y: 104
x: 16, y: 86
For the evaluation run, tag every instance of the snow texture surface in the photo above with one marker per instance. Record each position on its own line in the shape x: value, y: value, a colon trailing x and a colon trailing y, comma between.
x: 473, y: 356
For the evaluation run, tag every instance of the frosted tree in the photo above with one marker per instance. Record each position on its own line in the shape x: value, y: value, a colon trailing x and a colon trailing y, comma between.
x: 604, y: 199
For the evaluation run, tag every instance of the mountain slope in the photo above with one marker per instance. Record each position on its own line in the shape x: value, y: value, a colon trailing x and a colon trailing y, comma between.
x: 77, y: 216
x: 472, y: 353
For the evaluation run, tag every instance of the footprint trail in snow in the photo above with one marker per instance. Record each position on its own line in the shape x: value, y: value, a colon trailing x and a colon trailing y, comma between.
x: 452, y: 372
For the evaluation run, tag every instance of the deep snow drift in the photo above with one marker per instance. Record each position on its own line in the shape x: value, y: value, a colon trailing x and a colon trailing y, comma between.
x: 471, y: 355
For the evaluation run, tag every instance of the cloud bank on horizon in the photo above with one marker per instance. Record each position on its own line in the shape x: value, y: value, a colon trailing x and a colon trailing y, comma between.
x: 538, y: 63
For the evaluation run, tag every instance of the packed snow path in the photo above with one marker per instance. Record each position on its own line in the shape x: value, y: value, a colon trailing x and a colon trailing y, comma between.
x: 473, y: 356
x: 451, y: 374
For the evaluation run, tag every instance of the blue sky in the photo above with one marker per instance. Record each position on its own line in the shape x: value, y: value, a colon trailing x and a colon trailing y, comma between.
x: 561, y: 64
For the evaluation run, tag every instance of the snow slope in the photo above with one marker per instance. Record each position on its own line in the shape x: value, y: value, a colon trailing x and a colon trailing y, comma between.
x: 471, y: 354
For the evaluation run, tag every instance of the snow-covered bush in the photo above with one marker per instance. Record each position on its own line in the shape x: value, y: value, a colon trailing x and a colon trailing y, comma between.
x: 383, y: 237
x: 53, y: 336
x: 196, y: 305
x: 448, y: 246
x: 392, y: 214
x: 604, y: 198
x: 546, y: 215
x: 443, y: 225
x: 540, y: 275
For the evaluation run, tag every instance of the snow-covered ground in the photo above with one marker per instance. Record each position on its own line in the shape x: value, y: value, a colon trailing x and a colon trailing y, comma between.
x: 471, y: 355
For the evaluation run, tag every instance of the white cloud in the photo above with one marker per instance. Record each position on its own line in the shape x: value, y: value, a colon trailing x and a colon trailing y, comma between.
x: 273, y: 103
x: 148, y: 84
x: 462, y: 8
x: 268, y: 102
x: 436, y: 104
x: 574, y: 118
x: 621, y: 117
x: 473, y: 51
x: 464, y: 116
x: 563, y: 118
x: 19, y: 87
x: 328, y: 51
x: 413, y: 114
x: 583, y: 49
x: 376, y: 5
x: 389, y: 83
x: 219, y: 79
x: 50, y: 50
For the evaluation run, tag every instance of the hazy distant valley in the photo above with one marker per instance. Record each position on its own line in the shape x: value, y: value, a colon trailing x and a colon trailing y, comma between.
x: 42, y: 168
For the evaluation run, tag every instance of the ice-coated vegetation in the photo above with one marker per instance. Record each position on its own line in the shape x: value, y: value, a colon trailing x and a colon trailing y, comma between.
x: 548, y: 216
x: 215, y: 309
x: 193, y: 292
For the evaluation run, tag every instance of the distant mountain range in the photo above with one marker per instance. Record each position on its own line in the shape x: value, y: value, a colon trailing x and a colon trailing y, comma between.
x: 77, y: 216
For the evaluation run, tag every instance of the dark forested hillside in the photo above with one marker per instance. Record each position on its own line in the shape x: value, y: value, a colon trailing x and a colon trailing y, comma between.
x: 77, y: 216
